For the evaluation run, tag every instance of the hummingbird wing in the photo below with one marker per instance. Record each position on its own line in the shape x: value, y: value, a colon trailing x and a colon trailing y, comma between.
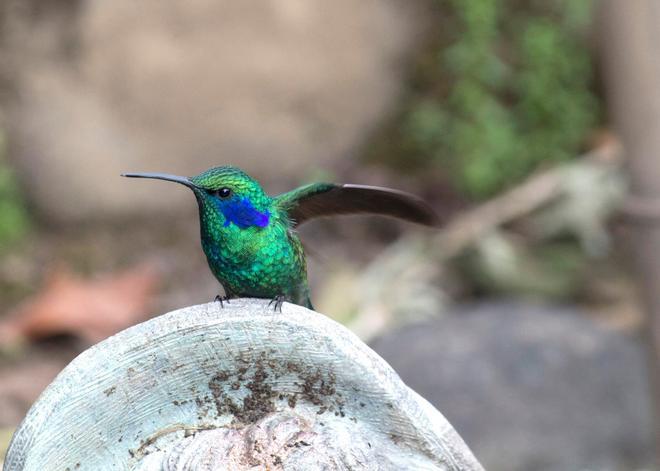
x: 329, y: 199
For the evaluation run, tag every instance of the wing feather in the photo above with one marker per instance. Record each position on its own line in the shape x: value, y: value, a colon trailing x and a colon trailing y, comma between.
x: 329, y: 199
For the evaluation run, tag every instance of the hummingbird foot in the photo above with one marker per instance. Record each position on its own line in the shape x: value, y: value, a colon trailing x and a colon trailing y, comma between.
x: 222, y: 300
x: 278, y: 301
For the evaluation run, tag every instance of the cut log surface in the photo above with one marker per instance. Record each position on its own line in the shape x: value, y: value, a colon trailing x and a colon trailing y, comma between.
x: 239, y: 387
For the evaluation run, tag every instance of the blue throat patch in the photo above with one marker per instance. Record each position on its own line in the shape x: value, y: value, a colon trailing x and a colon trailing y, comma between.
x: 243, y: 214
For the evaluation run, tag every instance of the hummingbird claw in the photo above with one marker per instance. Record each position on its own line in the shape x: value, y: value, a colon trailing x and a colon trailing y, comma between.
x: 278, y: 300
x: 221, y: 299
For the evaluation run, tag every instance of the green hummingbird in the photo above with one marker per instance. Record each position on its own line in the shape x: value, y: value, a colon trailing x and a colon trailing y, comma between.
x: 249, y: 237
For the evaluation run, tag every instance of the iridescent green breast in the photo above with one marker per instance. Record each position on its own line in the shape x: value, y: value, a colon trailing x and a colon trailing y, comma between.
x: 256, y: 261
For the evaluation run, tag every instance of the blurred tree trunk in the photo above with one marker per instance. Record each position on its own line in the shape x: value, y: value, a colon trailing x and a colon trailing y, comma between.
x: 630, y: 50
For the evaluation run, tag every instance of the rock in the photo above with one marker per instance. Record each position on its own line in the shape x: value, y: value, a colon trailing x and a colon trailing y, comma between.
x: 545, y: 389
x: 281, y: 88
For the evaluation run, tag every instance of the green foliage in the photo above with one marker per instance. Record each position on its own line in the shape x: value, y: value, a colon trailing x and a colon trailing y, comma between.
x: 14, y: 221
x: 506, y: 87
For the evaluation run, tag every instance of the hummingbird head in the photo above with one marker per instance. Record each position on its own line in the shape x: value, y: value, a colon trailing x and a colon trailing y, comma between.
x: 224, y: 194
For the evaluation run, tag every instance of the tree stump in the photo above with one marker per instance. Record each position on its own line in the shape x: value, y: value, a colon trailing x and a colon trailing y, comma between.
x: 239, y: 387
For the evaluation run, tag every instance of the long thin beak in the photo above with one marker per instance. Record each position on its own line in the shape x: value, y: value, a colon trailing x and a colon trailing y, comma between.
x: 162, y: 176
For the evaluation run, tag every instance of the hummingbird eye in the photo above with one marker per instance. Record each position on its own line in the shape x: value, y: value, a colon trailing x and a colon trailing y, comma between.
x: 223, y: 192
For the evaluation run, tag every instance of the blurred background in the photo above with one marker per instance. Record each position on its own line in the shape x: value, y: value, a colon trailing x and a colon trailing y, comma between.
x: 532, y: 126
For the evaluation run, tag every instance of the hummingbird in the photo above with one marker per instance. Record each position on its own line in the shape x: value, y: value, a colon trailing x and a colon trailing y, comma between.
x: 250, y: 240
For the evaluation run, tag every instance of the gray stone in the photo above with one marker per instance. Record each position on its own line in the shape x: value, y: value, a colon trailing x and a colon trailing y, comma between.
x: 282, y: 88
x: 531, y: 388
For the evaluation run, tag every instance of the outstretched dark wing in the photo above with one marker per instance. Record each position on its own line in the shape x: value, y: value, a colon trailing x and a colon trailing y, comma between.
x: 329, y: 199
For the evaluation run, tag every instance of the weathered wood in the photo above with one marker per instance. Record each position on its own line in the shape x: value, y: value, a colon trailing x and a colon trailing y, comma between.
x: 540, y: 189
x: 630, y: 35
x: 236, y: 388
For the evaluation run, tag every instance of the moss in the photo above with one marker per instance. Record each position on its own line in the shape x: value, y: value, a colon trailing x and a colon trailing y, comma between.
x: 505, y: 87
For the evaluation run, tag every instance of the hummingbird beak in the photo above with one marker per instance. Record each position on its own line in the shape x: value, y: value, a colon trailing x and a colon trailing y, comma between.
x: 163, y: 176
